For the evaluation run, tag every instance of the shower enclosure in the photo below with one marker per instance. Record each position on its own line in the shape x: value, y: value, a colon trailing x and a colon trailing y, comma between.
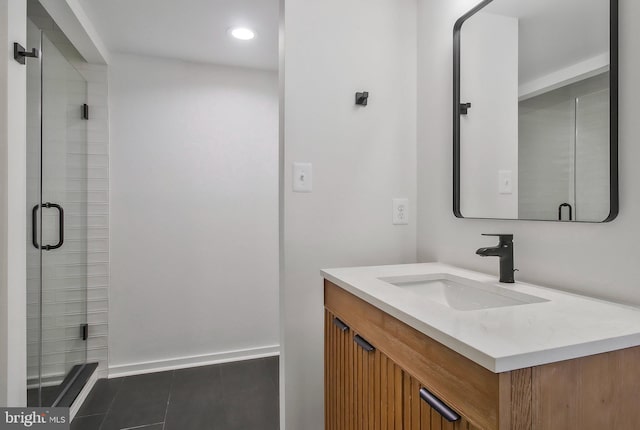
x: 57, y: 226
x: 564, y: 152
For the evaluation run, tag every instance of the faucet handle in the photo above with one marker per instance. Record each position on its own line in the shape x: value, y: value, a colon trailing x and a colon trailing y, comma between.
x: 503, y: 237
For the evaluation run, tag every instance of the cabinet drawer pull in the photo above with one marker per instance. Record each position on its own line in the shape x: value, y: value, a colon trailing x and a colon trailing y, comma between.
x: 363, y: 343
x: 439, y: 405
x: 342, y: 326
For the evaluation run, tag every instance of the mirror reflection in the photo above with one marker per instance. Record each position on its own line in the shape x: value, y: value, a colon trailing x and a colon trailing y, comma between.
x: 534, y: 112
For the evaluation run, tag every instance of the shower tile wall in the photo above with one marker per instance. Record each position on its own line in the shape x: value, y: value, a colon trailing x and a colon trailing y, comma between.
x: 592, y: 157
x: 564, y: 151
x: 546, y: 143
x: 96, y: 154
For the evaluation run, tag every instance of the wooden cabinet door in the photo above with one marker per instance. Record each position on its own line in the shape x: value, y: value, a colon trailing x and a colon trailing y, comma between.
x: 340, y: 400
x: 366, y: 390
x: 387, y: 381
x: 363, y: 388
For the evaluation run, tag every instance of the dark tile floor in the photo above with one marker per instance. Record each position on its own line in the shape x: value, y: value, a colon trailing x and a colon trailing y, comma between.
x: 49, y: 395
x: 240, y: 395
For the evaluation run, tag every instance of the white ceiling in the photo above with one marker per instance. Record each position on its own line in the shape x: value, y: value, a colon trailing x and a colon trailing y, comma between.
x: 555, y: 34
x: 191, y: 30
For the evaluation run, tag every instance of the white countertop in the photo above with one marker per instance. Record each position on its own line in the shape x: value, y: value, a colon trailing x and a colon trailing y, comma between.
x: 500, y: 339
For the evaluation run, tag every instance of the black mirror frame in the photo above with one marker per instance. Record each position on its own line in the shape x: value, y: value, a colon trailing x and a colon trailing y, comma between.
x: 614, y: 199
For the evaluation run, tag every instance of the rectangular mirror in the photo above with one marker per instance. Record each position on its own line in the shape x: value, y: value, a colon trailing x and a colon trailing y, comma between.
x: 535, y: 110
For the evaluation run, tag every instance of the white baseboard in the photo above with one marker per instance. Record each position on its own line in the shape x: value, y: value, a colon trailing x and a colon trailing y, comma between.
x: 192, y: 361
x: 88, y: 386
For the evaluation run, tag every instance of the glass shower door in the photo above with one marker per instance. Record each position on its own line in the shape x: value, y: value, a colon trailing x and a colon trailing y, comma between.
x: 57, y: 172
x: 34, y: 264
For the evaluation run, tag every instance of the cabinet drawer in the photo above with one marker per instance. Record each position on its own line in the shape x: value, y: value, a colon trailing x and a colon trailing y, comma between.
x: 468, y: 388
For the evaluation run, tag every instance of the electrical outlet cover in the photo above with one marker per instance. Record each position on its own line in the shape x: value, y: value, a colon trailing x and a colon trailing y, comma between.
x: 400, y: 211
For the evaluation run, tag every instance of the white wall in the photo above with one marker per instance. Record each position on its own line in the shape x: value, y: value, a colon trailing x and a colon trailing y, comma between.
x: 595, y: 259
x: 489, y: 132
x: 362, y: 158
x: 194, y: 219
x: 564, y: 76
x: 71, y: 18
x: 13, y: 360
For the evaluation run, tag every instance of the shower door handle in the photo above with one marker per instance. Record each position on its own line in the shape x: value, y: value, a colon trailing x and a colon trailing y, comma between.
x: 60, y: 226
x: 34, y: 226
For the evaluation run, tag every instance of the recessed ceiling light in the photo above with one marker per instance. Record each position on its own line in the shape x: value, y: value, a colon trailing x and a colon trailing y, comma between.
x: 242, y: 33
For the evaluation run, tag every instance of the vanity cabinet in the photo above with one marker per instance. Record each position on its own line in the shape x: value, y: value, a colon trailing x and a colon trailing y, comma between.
x: 376, y: 365
x: 365, y: 389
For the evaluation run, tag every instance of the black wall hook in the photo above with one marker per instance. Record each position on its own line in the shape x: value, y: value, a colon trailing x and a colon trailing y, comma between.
x: 362, y: 98
x: 19, y: 53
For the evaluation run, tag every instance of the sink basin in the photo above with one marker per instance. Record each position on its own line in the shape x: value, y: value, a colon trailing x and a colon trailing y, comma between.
x: 460, y: 293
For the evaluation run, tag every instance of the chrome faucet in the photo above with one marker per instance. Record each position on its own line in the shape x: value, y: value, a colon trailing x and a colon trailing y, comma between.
x: 504, y: 250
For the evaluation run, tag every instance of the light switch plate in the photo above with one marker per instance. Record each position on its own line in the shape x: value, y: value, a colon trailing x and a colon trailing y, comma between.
x: 302, y: 177
x: 505, y: 185
x: 400, y: 211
